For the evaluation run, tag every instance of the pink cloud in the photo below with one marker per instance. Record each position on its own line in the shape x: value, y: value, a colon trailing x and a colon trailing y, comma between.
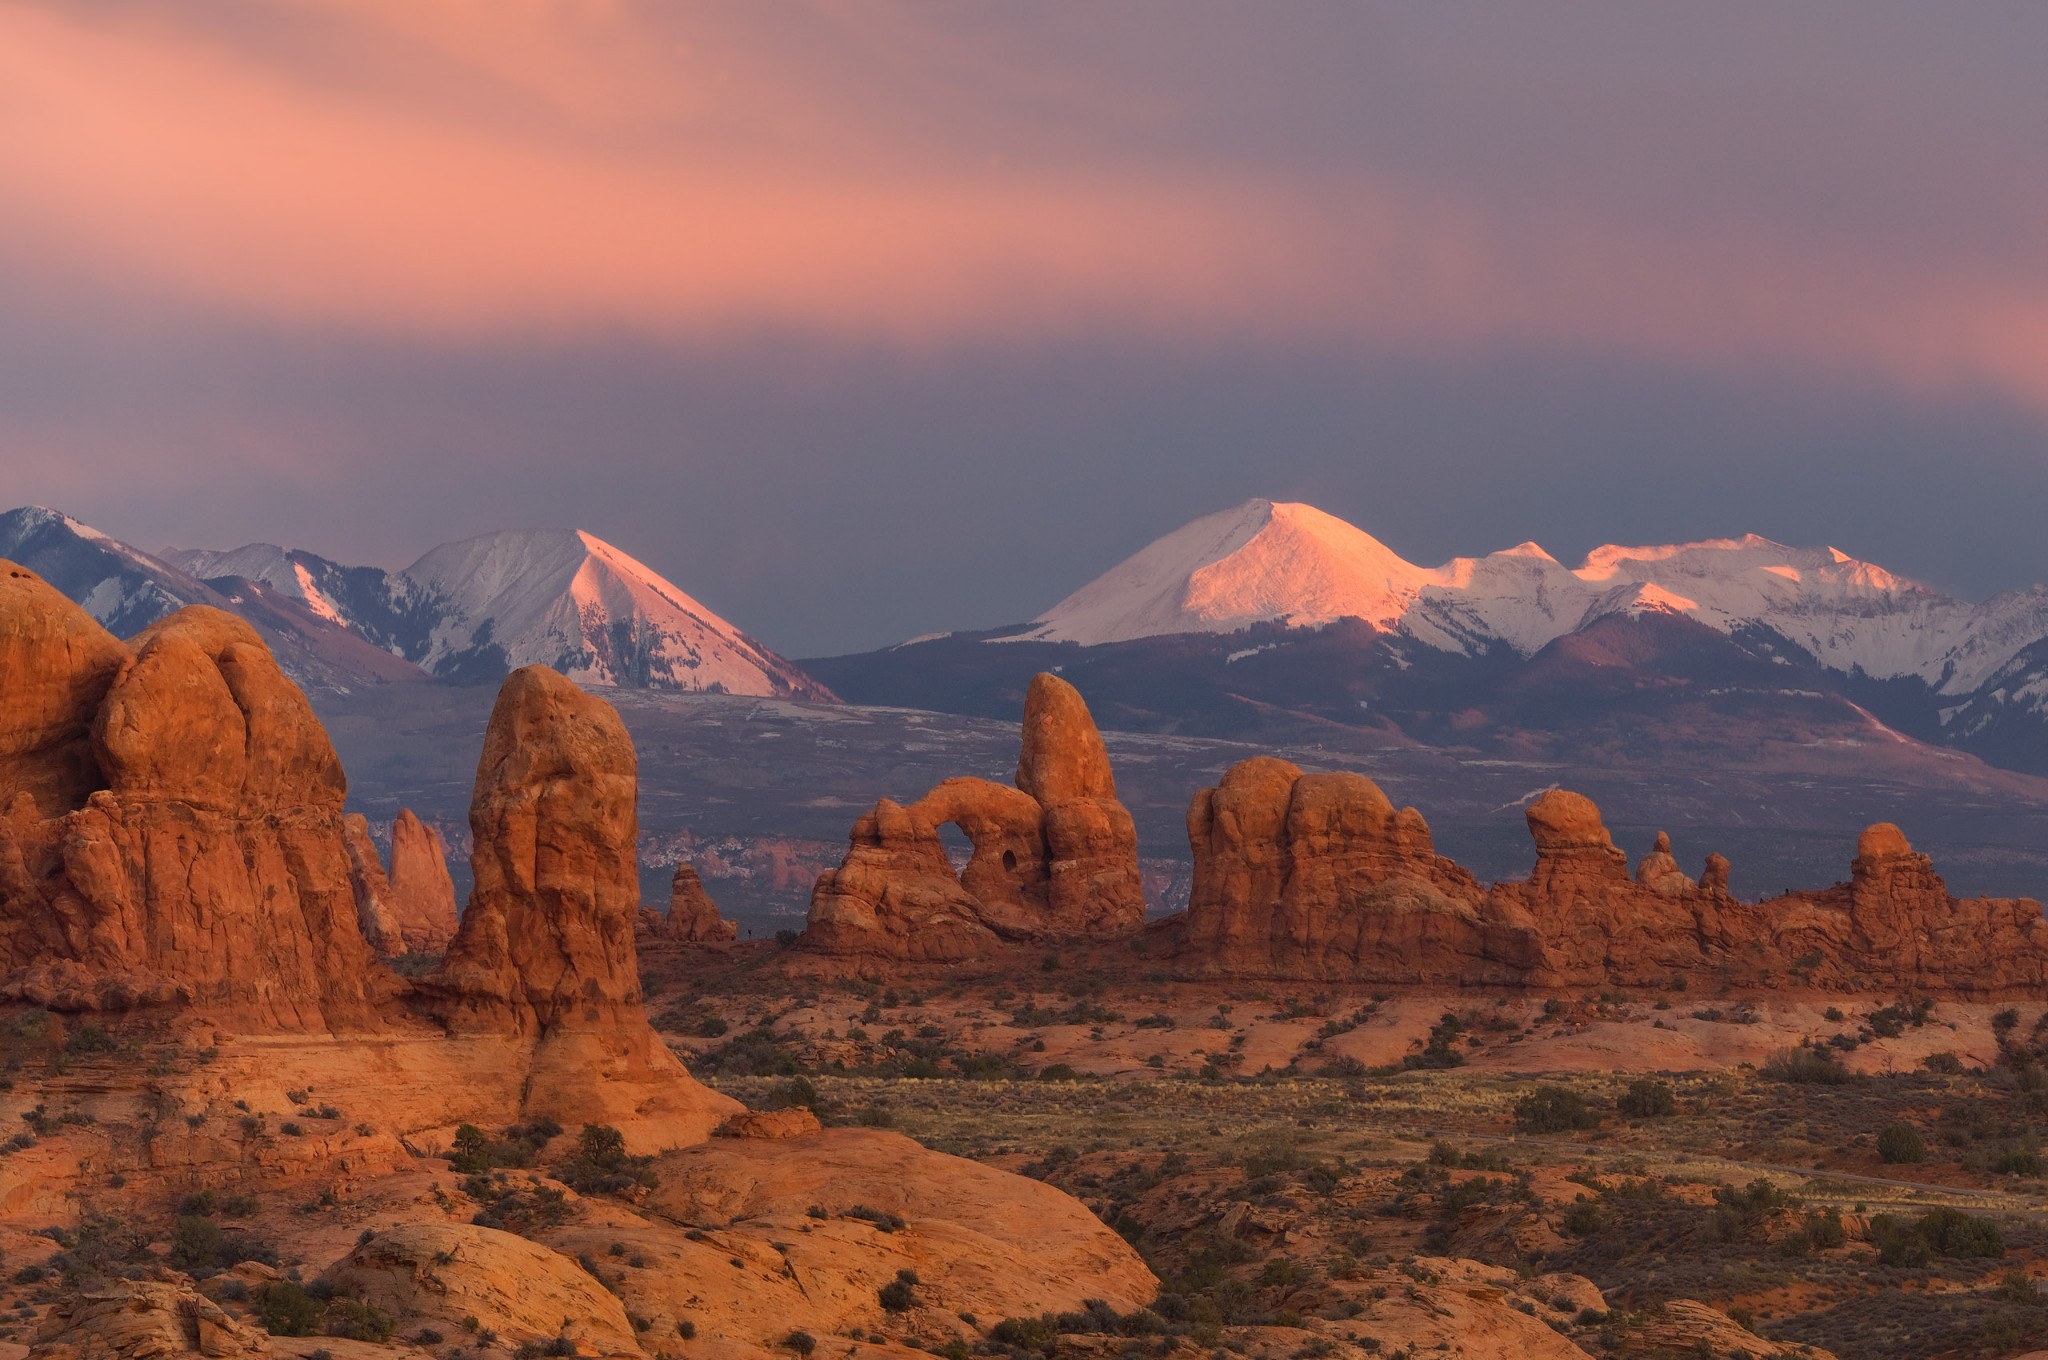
x: 477, y: 169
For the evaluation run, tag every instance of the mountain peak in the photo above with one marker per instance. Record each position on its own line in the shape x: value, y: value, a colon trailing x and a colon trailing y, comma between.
x: 1259, y: 561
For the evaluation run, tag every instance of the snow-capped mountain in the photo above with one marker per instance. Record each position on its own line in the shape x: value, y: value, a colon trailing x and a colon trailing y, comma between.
x: 572, y: 601
x: 1294, y: 565
x: 127, y: 589
x: 468, y: 611
x: 1278, y: 620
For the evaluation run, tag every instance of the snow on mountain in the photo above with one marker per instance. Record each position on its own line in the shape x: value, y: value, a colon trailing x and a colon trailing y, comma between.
x: 1293, y: 564
x: 468, y: 611
x: 570, y: 600
x: 127, y: 590
x: 124, y: 589
x: 1259, y: 562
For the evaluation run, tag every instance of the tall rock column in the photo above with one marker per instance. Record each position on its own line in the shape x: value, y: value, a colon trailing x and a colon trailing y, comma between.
x: 545, y: 951
x: 1091, y: 843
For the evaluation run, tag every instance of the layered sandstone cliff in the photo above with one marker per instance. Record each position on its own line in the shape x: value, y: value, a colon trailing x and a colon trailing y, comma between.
x: 1055, y: 857
x: 1316, y: 876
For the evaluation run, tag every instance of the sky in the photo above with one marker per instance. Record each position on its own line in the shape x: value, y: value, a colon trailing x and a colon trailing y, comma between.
x: 866, y: 318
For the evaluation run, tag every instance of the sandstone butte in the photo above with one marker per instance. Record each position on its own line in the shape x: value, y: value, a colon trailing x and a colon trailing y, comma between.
x: 1318, y: 876
x: 1055, y: 857
x: 175, y: 866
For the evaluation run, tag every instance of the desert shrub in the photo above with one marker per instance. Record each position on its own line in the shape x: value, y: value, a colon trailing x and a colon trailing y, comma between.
x: 1900, y: 1143
x: 802, y: 1342
x: 1739, y: 1215
x: 101, y: 1247
x: 1820, y: 1232
x: 881, y: 1218
x: 1440, y: 1050
x: 797, y: 1091
x: 1555, y: 1109
x: 602, y: 1165
x: 1648, y: 1099
x: 1939, y: 1232
x: 356, y: 1320
x: 284, y: 1308
x: 1806, y: 1067
x: 1026, y: 1333
x: 1582, y: 1217
x: 2019, y: 1161
x: 900, y: 1294
x: 1944, y: 1062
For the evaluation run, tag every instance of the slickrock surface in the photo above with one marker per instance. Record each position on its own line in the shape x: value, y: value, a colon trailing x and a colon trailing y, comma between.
x: 1055, y: 857
x: 436, y: 1275
x: 1316, y: 876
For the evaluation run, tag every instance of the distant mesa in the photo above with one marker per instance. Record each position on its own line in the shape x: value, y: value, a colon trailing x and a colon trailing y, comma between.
x: 1055, y: 857
x: 469, y: 612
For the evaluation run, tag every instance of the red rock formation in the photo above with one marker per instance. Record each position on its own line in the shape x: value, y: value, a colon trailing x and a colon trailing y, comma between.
x: 372, y: 888
x: 422, y: 892
x: 896, y: 896
x: 1317, y: 877
x: 692, y: 917
x: 544, y: 953
x: 1056, y: 857
x: 412, y: 910
x: 181, y: 839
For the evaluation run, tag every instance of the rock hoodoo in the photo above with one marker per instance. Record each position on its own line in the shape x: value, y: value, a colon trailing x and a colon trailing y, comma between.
x: 174, y: 832
x: 422, y: 891
x: 1316, y: 876
x: 545, y: 951
x: 692, y: 917
x: 412, y: 909
x: 1055, y: 857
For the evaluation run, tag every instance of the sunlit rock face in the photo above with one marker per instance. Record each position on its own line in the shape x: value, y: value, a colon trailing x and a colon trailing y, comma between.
x: 173, y: 835
x: 1316, y: 876
x: 1055, y: 857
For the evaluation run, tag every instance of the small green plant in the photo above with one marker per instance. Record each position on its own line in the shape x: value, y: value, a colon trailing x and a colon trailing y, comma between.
x: 1555, y: 1109
x: 1898, y: 1144
x: 1648, y: 1099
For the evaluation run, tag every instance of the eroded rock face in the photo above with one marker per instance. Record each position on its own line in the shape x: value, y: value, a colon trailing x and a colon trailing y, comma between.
x: 145, y: 1320
x: 1659, y: 872
x: 422, y: 891
x: 1055, y: 857
x: 192, y: 852
x: 544, y: 953
x: 1317, y: 877
x: 57, y: 664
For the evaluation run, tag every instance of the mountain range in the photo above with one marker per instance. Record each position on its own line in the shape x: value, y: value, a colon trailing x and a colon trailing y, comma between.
x: 1280, y: 614
x: 1265, y: 621
x: 465, y: 612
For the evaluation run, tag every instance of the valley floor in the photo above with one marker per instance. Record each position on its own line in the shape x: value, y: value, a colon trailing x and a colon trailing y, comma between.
x: 1328, y: 1173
